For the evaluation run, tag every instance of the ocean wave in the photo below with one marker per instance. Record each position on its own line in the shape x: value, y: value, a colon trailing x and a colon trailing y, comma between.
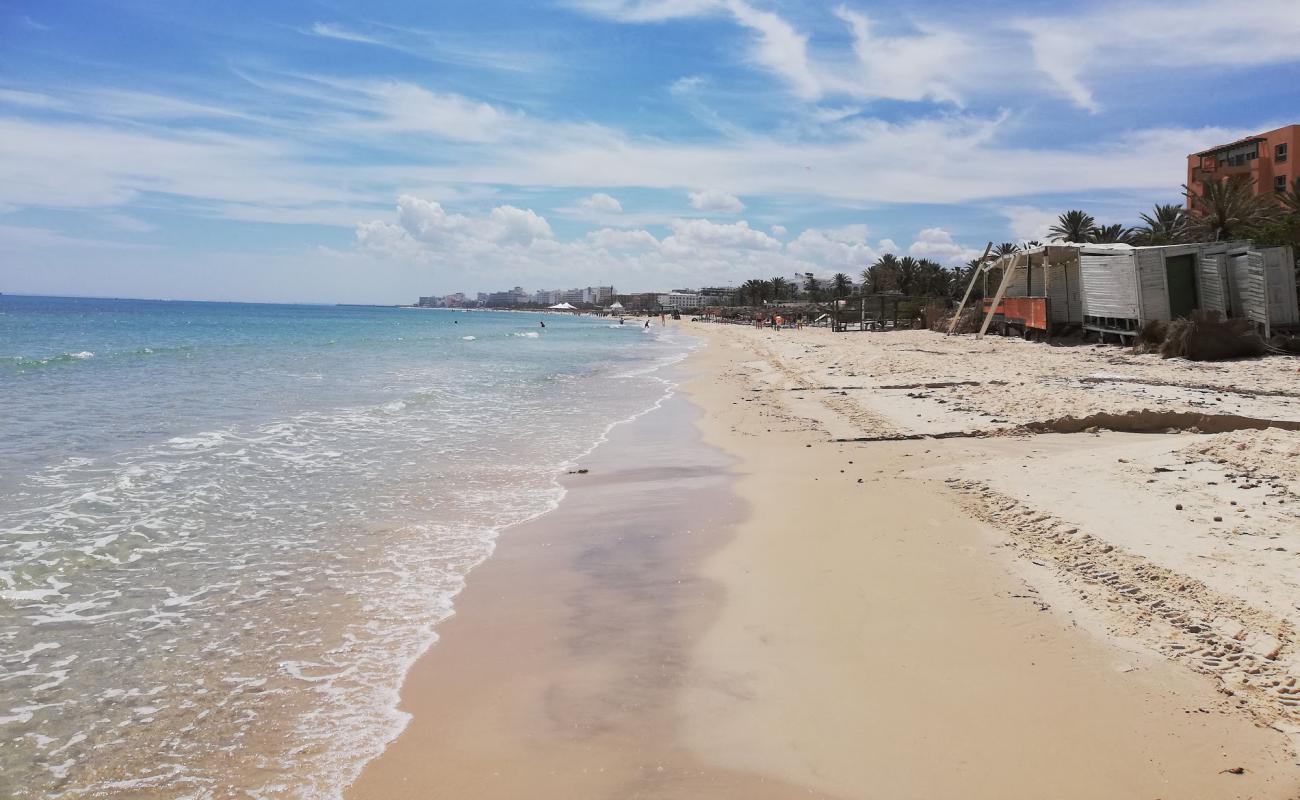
x: 309, y: 559
x: 26, y: 362
x: 528, y: 335
x: 469, y: 338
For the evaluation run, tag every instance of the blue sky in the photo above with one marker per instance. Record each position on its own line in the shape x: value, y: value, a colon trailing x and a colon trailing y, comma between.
x: 328, y: 151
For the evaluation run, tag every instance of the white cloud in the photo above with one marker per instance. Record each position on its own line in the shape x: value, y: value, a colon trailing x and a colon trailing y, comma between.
x: 780, y: 48
x: 1117, y: 37
x: 888, y: 246
x: 1065, y: 53
x: 779, y: 230
x: 126, y: 222
x: 427, y: 221
x: 696, y: 233
x: 937, y: 244
x: 436, y: 46
x: 328, y: 30
x: 932, y: 63
x: 695, y: 252
x: 613, y: 239
x: 645, y: 10
x: 601, y: 203
x: 835, y: 250
x: 716, y: 201
x: 924, y: 66
x: 1027, y: 223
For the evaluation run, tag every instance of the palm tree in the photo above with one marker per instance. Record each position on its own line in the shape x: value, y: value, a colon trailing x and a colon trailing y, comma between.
x: 755, y: 291
x: 1110, y: 234
x: 907, y: 271
x: 932, y: 279
x: 1290, y: 199
x: 1073, y: 226
x: 1166, y: 224
x: 1030, y: 245
x: 780, y: 288
x: 812, y: 286
x: 1227, y: 208
x: 881, y: 276
x: 841, y: 285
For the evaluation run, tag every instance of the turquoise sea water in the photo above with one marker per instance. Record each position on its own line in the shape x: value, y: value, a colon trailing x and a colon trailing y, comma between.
x: 227, y: 529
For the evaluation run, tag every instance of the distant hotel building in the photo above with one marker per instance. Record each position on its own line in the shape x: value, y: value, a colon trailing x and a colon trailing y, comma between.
x: 680, y: 300
x: 1268, y: 159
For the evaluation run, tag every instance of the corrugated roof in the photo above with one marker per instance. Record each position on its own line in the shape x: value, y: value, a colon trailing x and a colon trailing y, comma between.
x: 1231, y: 145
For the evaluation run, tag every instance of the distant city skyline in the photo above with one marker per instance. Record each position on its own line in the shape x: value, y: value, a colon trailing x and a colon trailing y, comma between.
x: 375, y: 153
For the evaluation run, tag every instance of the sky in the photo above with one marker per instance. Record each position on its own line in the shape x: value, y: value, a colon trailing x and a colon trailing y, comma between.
x: 325, y: 151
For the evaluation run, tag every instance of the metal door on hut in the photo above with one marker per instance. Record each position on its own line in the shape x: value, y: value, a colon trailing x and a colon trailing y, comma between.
x: 1180, y: 276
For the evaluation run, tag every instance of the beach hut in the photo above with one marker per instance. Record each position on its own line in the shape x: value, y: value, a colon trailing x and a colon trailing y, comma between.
x: 616, y: 308
x: 1117, y: 288
x: 1045, y: 283
x: 1124, y: 291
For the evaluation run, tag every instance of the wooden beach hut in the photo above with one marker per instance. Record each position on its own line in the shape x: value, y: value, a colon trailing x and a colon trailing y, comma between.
x: 1115, y: 289
x: 1124, y: 291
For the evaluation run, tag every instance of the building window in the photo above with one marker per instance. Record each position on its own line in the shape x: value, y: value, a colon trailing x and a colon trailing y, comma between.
x: 1279, y: 184
x: 1279, y: 153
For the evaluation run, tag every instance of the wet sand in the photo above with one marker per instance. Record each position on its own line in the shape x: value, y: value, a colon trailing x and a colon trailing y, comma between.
x: 725, y: 606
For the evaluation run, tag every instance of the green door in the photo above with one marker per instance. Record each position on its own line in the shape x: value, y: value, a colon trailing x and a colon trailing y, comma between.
x: 1180, y: 272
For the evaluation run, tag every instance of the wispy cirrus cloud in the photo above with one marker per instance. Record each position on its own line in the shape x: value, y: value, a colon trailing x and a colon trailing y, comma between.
x: 1069, y: 48
x: 431, y: 45
x: 1066, y: 53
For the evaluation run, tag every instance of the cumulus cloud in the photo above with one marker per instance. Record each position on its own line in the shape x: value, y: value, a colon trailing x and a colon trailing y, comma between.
x: 614, y: 239
x: 716, y: 201
x: 692, y: 233
x: 779, y: 230
x: 1027, y: 223
x: 694, y: 252
x: 937, y: 244
x: 835, y: 249
x: 601, y: 203
x: 425, y: 224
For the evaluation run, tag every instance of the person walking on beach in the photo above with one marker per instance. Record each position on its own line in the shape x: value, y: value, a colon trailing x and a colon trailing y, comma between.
x: 647, y: 324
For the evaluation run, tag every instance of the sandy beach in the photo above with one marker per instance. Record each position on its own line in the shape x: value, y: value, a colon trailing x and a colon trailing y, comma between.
x: 890, y: 566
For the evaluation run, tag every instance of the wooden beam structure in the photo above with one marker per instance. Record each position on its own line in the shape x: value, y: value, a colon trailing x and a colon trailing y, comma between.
x: 974, y: 276
x: 1008, y: 273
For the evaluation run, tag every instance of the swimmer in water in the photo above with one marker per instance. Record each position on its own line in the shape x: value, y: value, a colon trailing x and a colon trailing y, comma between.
x: 543, y: 322
x: 647, y: 323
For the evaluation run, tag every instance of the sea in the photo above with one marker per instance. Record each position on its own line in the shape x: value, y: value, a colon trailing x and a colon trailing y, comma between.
x: 227, y: 530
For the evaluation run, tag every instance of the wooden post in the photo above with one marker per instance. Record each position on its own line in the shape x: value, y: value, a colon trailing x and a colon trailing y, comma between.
x: 1007, y: 274
x: 952, y: 324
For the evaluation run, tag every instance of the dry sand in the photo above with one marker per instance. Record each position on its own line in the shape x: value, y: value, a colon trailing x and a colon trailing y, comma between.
x: 784, y: 615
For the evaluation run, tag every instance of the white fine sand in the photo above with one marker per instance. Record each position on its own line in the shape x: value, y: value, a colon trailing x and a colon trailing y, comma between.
x: 734, y: 604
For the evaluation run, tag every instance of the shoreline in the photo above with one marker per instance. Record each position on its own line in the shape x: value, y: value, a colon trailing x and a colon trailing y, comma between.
x: 902, y: 651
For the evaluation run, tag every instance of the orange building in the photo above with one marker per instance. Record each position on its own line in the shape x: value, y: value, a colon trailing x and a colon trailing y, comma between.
x: 1269, y: 159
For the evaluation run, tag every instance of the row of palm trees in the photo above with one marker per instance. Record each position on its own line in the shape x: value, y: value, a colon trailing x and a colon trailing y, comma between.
x: 906, y: 275
x: 1226, y: 208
